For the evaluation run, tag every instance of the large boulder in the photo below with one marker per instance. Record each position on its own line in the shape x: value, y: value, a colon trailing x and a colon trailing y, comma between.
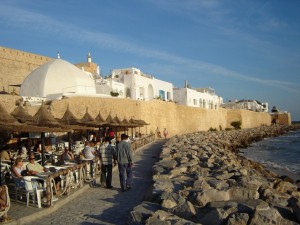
x: 142, y: 212
x: 269, y: 216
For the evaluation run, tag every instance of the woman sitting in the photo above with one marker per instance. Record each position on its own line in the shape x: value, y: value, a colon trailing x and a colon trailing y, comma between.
x: 18, y: 171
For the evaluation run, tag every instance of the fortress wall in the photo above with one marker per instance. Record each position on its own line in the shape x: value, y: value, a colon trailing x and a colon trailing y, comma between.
x: 15, y: 65
x: 248, y: 118
x: 284, y: 118
x: 176, y: 118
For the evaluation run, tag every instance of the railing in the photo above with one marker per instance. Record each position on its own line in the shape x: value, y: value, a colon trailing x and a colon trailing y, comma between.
x: 74, y: 176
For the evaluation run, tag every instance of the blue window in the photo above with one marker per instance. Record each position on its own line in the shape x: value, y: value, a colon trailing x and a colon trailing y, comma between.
x: 162, y: 95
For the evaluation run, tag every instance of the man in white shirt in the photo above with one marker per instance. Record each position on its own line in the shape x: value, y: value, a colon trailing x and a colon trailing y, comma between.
x: 89, y: 150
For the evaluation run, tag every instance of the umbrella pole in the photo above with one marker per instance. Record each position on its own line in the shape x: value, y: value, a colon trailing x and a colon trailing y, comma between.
x: 69, y: 140
x: 43, y: 147
x: 0, y: 171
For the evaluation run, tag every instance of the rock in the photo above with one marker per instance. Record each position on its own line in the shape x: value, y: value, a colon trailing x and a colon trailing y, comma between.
x: 177, y: 171
x: 216, y: 216
x: 295, y: 205
x: 184, y: 210
x: 284, y: 186
x: 238, y: 219
x: 243, y: 193
x: 269, y: 216
x: 161, y: 186
x: 210, y: 195
x: 161, y: 217
x: 170, y: 200
x: 275, y: 197
x: 142, y: 212
x: 218, y: 184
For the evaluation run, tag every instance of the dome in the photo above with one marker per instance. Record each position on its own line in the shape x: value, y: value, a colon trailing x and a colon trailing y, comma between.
x: 55, y: 78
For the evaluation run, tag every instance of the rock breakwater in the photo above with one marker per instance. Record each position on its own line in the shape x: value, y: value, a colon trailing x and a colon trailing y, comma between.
x: 200, y: 179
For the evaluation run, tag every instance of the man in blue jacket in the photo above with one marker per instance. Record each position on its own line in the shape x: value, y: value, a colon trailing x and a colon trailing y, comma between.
x: 125, y: 159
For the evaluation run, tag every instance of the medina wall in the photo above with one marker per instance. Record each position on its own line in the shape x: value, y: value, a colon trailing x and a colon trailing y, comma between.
x: 15, y: 65
x: 248, y: 118
x: 176, y: 118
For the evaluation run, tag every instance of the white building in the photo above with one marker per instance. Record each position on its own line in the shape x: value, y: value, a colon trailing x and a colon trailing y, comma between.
x: 205, y: 98
x: 252, y: 105
x: 57, y: 78
x: 134, y: 84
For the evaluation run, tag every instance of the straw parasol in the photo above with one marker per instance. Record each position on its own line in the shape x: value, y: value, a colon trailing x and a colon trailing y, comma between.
x: 99, y: 119
x: 5, y: 117
x: 87, y: 119
x: 21, y: 114
x: 109, y: 121
x: 43, y: 117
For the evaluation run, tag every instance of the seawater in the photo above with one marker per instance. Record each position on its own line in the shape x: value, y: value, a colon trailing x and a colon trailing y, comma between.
x: 279, y: 153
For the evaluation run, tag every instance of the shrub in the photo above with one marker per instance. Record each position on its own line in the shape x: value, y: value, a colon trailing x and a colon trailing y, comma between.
x: 114, y: 94
x: 236, y: 124
x: 212, y: 129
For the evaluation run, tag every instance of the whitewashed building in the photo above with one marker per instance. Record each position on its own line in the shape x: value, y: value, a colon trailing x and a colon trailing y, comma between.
x: 252, y: 105
x: 134, y: 84
x: 205, y: 98
x: 57, y: 78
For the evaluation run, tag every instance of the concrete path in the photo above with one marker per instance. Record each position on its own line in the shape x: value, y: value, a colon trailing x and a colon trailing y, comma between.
x: 98, y: 205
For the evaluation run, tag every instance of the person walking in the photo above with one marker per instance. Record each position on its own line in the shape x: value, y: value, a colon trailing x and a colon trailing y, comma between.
x: 166, y: 133
x: 107, y: 155
x: 125, y: 159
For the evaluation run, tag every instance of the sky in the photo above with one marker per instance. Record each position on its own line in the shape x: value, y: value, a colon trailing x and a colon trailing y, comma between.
x: 242, y: 49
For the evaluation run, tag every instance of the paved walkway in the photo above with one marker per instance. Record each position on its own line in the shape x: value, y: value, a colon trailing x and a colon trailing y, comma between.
x: 96, y: 205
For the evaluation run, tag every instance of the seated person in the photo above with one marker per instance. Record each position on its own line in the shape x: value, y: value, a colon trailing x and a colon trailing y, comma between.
x: 67, y: 156
x: 33, y: 167
x: 5, y: 154
x: 18, y: 171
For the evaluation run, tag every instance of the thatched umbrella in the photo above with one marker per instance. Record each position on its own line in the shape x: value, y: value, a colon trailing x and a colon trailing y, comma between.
x: 21, y: 114
x: 142, y: 123
x: 117, y: 122
x: 99, y: 120
x: 44, y: 118
x: 87, y: 119
x: 71, y: 122
x: 5, y: 117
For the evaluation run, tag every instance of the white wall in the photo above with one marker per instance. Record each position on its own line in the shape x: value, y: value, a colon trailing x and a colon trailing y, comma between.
x: 191, y: 97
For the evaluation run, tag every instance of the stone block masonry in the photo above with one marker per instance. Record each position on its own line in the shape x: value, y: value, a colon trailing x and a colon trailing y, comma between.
x: 15, y: 65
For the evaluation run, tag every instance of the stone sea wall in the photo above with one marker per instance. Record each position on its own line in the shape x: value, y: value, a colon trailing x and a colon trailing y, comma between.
x: 201, y: 180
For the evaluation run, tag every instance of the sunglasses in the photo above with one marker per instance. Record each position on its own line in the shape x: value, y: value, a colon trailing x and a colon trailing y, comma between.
x: 31, y: 158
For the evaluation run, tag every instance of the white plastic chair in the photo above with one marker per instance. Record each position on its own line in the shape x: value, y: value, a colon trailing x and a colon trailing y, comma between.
x: 32, y: 189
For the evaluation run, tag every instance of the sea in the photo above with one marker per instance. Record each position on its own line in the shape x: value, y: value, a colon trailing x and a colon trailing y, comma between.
x: 278, y: 154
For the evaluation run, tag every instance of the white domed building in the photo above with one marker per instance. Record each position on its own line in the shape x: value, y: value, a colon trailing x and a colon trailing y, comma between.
x: 55, y: 79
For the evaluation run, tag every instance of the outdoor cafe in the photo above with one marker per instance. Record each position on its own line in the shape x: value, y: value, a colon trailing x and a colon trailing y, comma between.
x: 47, y: 138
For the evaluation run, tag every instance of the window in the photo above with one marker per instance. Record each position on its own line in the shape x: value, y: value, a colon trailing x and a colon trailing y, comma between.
x: 162, y: 94
x: 168, y: 95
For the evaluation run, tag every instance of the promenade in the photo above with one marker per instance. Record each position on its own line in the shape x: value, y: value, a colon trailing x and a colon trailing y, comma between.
x: 97, y: 205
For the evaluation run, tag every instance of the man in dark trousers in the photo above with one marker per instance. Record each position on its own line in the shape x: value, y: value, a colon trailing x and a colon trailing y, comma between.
x: 107, y: 156
x: 125, y: 159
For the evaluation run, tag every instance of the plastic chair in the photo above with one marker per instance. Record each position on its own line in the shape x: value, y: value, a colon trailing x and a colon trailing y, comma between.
x: 5, y: 170
x: 32, y: 189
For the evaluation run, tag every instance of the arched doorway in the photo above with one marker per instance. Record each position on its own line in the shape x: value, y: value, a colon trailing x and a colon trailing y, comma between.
x: 150, y: 92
